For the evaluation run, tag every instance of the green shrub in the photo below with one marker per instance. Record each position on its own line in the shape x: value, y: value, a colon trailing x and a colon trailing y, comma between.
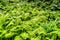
x: 29, y: 20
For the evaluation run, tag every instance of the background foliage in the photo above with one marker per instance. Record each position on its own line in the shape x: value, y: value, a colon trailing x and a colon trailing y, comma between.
x: 29, y: 19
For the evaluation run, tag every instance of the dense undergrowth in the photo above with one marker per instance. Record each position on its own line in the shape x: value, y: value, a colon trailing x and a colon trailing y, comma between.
x: 29, y: 20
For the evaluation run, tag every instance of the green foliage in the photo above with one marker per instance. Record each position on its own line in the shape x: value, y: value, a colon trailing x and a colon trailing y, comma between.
x: 29, y: 20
